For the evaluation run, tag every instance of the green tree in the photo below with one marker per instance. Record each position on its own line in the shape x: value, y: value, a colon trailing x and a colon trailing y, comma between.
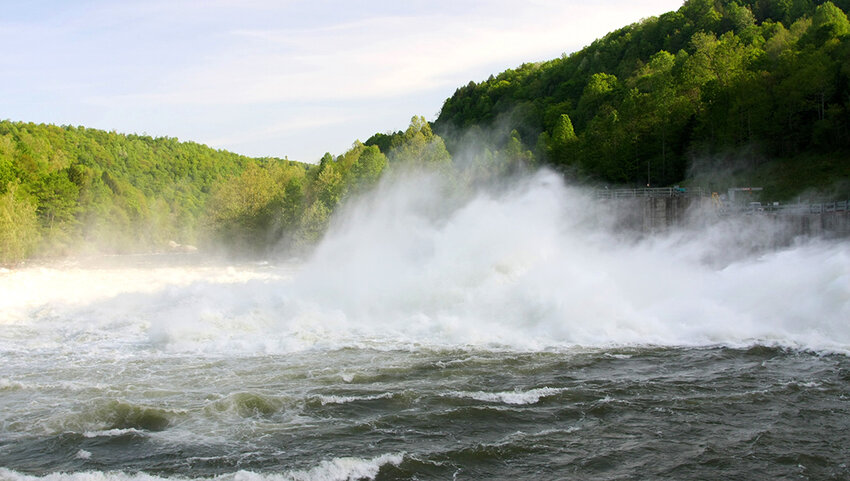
x: 329, y: 186
x: 19, y: 230
x: 56, y: 199
x: 243, y: 210
x: 313, y: 224
x: 293, y: 203
x: 563, y: 141
x: 599, y: 91
x: 664, y: 110
x: 702, y: 13
x: 829, y: 22
x: 419, y: 145
x: 367, y: 170
x: 517, y: 156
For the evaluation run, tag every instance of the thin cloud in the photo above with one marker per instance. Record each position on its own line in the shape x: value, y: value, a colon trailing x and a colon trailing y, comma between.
x: 230, y: 73
x: 278, y: 129
x: 376, y: 57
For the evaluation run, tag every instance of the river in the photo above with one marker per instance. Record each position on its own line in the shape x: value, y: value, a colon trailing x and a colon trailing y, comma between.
x: 493, y: 336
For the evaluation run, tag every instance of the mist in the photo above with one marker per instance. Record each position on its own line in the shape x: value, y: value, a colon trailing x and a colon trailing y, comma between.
x: 541, y: 265
x: 535, y: 265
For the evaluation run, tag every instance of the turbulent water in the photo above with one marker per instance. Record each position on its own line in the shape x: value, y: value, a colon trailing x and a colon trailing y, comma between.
x: 430, y: 336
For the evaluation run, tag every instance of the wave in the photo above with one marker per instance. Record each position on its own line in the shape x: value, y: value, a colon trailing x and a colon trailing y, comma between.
x: 537, y: 266
x: 336, y: 469
x: 9, y: 385
x: 532, y: 396
x: 331, y: 399
x: 245, y: 404
x: 107, y: 418
x: 109, y: 433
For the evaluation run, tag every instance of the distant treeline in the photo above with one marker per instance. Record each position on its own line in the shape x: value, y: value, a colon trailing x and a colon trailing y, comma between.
x: 68, y: 188
x: 769, y: 78
x: 766, y: 78
x: 72, y: 189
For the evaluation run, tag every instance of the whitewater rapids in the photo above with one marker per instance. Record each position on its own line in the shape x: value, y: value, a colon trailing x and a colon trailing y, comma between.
x: 534, y: 268
x: 488, y: 335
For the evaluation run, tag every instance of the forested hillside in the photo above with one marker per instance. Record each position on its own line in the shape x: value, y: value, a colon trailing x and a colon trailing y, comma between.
x: 760, y: 87
x: 68, y: 189
x: 713, y: 85
x: 64, y: 188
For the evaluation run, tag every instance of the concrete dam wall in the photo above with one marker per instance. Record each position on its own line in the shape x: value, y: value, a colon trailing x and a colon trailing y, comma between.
x: 649, y: 211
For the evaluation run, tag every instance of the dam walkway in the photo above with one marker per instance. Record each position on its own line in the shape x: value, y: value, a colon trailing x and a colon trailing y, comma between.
x: 658, y: 209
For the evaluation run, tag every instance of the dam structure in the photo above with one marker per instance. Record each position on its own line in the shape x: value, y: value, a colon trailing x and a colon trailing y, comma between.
x: 655, y: 210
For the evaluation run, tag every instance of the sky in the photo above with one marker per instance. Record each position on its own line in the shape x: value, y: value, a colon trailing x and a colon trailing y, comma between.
x: 284, y: 78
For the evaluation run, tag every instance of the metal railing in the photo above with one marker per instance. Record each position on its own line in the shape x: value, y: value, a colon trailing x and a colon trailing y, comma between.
x: 724, y: 207
x: 800, y: 209
x: 649, y: 192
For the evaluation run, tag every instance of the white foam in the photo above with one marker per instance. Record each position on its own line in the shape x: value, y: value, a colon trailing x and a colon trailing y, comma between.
x: 10, y: 475
x: 108, y: 433
x: 8, y: 384
x: 535, y: 267
x: 41, y: 289
x: 532, y: 396
x: 337, y: 469
x: 324, y: 399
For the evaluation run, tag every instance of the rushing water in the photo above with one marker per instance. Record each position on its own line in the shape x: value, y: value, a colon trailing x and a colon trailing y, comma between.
x: 485, y: 337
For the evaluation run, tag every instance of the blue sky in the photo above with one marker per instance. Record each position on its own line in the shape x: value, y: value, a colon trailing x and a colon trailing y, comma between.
x: 274, y: 78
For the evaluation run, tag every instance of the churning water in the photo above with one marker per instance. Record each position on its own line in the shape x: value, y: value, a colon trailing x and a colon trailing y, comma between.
x: 432, y: 336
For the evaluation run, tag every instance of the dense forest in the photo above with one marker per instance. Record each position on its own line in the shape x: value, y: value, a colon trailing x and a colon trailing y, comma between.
x: 64, y: 188
x: 70, y: 189
x: 713, y: 86
x: 759, y: 89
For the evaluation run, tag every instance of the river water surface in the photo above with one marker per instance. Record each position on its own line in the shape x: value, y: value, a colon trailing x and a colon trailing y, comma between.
x: 498, y: 337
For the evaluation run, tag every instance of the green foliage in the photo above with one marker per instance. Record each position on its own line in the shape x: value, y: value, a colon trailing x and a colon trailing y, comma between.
x: 56, y: 197
x: 702, y: 13
x: 242, y: 209
x: 384, y: 142
x: 19, y: 232
x: 89, y: 189
x: 829, y: 22
x: 563, y: 141
x: 329, y: 186
x: 314, y: 224
x: 516, y: 154
x: 367, y: 170
x: 419, y: 145
x: 769, y: 76
x: 292, y: 205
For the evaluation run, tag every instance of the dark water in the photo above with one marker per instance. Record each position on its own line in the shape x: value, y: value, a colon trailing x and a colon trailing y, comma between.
x: 641, y: 413
x: 479, y: 338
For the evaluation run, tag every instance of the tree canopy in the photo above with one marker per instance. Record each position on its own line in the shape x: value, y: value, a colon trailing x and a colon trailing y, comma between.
x: 64, y: 189
x: 758, y: 78
x: 769, y: 77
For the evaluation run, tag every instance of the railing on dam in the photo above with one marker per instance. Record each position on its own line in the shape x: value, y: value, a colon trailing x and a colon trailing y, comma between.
x: 723, y: 207
x: 800, y: 209
x: 650, y: 192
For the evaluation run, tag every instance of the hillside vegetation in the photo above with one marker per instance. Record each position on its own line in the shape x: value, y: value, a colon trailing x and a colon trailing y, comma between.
x: 66, y: 188
x: 719, y: 92
x: 72, y: 189
x: 715, y: 86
